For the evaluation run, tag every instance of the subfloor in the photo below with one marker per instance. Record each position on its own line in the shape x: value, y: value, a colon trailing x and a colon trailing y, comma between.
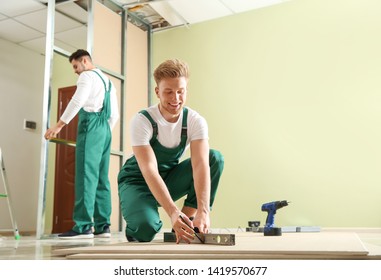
x: 28, y: 247
x: 326, y: 244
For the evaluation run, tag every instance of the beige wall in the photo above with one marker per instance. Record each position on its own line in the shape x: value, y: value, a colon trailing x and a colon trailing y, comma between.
x: 292, y: 96
x: 107, y: 52
x: 137, y: 76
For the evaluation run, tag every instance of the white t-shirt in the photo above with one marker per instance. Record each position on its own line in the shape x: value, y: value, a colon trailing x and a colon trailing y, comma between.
x: 90, y: 95
x: 169, y: 134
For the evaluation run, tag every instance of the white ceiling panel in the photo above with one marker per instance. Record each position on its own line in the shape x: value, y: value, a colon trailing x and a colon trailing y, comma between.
x: 16, y: 32
x: 195, y: 11
x: 76, y: 37
x: 37, y: 20
x: 12, y: 8
x: 67, y: 47
x: 37, y: 45
x: 75, y: 11
x: 238, y: 6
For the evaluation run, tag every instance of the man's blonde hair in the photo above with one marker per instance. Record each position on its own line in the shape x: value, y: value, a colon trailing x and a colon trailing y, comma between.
x: 171, y: 68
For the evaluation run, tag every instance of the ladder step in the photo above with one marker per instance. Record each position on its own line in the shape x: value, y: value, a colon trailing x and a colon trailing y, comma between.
x: 7, y: 196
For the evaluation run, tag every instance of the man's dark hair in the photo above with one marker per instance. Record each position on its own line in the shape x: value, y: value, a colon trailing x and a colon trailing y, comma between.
x: 78, y: 54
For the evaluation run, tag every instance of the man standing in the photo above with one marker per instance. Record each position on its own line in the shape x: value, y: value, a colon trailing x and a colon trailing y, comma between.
x: 154, y: 175
x: 96, y: 103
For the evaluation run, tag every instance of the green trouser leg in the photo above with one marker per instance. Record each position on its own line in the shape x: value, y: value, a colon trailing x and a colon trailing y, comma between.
x: 180, y: 179
x: 92, y: 187
x: 102, y: 206
x: 140, y: 208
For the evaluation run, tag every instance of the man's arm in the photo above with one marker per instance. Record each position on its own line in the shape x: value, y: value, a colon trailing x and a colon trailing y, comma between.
x: 79, y: 98
x: 201, y: 176
x: 114, y: 117
x: 148, y: 166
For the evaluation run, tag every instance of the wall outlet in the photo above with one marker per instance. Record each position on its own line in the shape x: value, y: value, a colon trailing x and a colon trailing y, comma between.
x: 30, y: 124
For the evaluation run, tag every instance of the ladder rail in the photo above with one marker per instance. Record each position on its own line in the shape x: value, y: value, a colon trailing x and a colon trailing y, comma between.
x: 7, y: 196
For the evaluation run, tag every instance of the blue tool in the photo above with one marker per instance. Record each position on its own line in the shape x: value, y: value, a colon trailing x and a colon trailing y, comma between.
x: 271, y: 208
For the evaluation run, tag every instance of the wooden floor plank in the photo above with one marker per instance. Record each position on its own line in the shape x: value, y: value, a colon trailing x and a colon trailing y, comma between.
x: 320, y: 245
x: 111, y: 256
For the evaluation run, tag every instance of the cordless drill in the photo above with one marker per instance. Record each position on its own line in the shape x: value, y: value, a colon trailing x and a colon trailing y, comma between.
x: 270, y: 208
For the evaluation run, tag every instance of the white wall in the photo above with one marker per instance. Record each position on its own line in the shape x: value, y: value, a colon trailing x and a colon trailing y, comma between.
x: 21, y: 91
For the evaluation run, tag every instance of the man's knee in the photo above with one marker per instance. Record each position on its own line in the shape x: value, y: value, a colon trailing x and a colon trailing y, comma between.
x: 144, y: 231
x: 216, y: 159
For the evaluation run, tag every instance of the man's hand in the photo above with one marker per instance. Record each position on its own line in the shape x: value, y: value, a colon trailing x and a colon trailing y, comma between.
x: 53, y: 132
x: 183, y: 227
x: 202, y: 222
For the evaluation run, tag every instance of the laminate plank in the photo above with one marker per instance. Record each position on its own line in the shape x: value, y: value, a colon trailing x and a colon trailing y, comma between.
x: 321, y: 245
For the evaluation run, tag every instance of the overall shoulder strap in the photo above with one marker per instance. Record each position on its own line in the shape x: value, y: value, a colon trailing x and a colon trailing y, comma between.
x: 104, y: 84
x: 153, y: 123
x: 106, y: 100
x: 185, y: 123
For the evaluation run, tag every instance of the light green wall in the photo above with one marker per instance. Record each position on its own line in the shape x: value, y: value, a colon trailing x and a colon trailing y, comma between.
x: 292, y: 95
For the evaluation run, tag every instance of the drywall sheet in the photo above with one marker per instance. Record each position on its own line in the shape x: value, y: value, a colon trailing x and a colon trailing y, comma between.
x: 321, y: 245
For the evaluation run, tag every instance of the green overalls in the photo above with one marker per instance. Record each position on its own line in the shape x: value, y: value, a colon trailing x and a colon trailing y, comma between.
x: 92, y: 157
x: 138, y: 205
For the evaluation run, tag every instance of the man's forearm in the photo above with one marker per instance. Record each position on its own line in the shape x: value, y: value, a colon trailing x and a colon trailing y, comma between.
x: 201, y: 174
x: 202, y: 188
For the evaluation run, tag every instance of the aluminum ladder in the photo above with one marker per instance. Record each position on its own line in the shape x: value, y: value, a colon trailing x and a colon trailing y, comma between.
x: 6, y: 195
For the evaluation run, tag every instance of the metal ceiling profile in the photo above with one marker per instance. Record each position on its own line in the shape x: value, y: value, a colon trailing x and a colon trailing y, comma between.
x: 164, y: 14
x: 23, y: 22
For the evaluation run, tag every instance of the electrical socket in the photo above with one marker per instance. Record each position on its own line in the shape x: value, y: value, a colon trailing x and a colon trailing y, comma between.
x: 30, y: 124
